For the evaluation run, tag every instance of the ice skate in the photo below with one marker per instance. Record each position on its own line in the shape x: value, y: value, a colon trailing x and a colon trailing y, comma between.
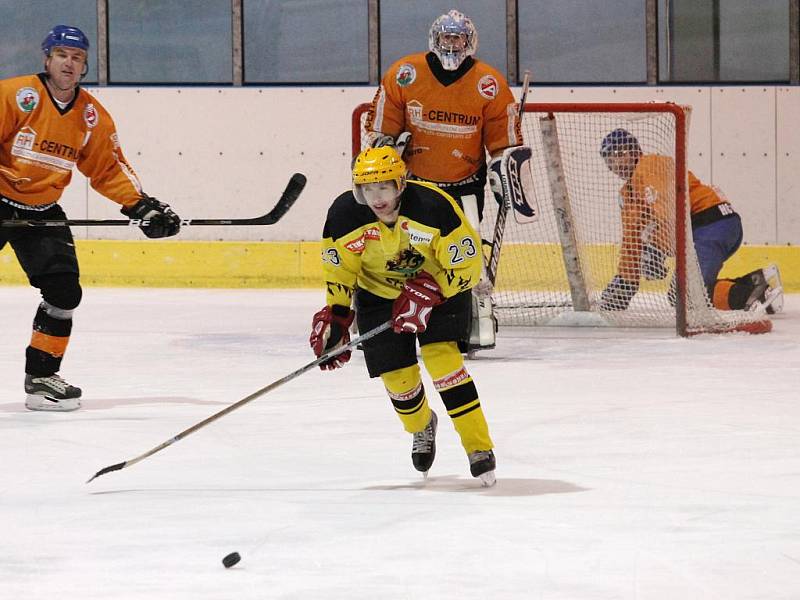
x: 482, y: 465
x: 772, y: 298
x: 51, y: 393
x: 423, y: 450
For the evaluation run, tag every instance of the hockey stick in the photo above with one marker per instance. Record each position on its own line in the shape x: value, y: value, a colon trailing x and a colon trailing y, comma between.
x: 275, y: 384
x: 502, y: 210
x: 287, y: 199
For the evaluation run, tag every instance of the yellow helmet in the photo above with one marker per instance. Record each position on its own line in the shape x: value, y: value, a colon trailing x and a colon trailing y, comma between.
x: 379, y: 164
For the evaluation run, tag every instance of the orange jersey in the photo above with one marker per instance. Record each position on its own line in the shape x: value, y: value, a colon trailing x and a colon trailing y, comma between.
x: 702, y: 196
x: 648, y: 210
x: 450, y: 124
x: 40, y: 144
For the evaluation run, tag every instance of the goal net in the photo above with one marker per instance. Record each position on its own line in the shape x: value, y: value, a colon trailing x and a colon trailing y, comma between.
x: 555, y: 264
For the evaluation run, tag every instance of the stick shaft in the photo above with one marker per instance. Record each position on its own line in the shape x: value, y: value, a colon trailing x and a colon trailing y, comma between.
x: 287, y: 199
x: 264, y: 390
x: 502, y: 210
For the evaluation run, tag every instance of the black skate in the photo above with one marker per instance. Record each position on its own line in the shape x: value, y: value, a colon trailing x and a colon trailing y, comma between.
x: 50, y: 392
x: 482, y: 465
x: 423, y: 450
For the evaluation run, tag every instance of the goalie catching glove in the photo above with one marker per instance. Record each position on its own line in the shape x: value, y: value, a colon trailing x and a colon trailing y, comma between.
x: 330, y: 329
x: 157, y: 218
x: 412, y: 308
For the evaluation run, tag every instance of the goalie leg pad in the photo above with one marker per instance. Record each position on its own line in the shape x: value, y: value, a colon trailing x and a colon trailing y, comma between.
x: 483, y: 329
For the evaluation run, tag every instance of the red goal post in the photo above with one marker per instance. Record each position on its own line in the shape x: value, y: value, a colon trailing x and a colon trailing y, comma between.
x: 579, y: 223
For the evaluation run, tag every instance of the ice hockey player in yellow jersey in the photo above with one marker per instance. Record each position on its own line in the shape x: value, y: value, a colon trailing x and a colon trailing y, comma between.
x: 647, y: 201
x: 48, y: 126
x: 403, y: 251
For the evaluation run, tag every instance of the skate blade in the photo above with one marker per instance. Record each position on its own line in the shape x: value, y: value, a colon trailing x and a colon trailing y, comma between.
x: 45, y: 404
x: 487, y: 479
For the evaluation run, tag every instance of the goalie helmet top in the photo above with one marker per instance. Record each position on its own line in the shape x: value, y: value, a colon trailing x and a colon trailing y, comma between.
x: 64, y: 35
x: 452, y: 39
x: 619, y: 142
x: 375, y: 165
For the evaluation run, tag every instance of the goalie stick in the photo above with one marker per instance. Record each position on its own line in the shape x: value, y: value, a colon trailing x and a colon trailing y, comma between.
x: 268, y: 388
x: 502, y: 210
x: 287, y: 199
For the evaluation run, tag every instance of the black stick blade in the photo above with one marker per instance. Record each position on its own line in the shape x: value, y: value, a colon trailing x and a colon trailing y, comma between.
x: 105, y: 470
x: 287, y: 199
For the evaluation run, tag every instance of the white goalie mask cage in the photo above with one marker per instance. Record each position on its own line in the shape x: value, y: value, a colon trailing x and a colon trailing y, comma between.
x: 453, y: 23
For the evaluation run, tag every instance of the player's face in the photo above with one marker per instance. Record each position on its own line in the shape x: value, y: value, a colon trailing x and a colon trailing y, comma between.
x: 382, y: 198
x: 452, y: 42
x: 622, y: 164
x: 65, y: 66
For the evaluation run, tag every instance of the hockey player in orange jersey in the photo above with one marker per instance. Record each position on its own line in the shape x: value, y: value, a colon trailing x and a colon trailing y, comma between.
x: 647, y: 202
x: 48, y: 125
x: 457, y: 108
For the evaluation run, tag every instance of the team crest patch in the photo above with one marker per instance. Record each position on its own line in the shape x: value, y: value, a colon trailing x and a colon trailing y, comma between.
x: 90, y: 115
x: 488, y: 87
x: 407, y: 262
x: 406, y: 75
x: 27, y: 99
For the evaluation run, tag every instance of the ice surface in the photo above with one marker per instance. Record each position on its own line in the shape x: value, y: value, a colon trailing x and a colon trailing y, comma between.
x: 631, y: 465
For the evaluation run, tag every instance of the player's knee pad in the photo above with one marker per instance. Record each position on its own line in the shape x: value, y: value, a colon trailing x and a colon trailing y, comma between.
x: 442, y: 358
x: 404, y: 387
x: 61, y: 291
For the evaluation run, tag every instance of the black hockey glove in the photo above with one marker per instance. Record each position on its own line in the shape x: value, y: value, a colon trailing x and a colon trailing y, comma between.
x: 618, y: 294
x: 383, y: 140
x: 652, y: 265
x: 157, y: 218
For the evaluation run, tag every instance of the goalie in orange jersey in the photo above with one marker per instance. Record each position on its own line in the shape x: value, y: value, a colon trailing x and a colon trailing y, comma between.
x: 647, y: 205
x: 456, y: 108
x: 48, y: 125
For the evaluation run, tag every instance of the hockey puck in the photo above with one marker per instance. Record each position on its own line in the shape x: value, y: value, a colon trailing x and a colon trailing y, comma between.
x: 231, y: 559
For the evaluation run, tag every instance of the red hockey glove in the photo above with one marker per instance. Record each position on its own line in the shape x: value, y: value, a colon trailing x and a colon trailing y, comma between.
x: 412, y: 308
x: 330, y: 329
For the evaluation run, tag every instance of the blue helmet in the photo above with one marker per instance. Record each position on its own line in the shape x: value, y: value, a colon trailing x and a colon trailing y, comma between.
x: 619, y: 141
x: 64, y: 35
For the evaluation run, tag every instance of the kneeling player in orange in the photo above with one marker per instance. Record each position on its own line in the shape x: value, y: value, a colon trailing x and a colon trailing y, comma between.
x: 405, y: 252
x: 647, y: 200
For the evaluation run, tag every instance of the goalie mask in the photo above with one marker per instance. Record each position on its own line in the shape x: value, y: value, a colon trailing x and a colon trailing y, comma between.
x: 621, y: 151
x: 452, y: 39
x: 379, y: 177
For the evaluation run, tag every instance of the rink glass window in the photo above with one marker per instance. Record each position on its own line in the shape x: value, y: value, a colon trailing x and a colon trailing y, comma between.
x: 22, y: 33
x: 181, y: 41
x: 306, y: 42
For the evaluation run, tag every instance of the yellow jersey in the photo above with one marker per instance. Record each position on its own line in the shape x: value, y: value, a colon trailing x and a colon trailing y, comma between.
x: 432, y: 235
